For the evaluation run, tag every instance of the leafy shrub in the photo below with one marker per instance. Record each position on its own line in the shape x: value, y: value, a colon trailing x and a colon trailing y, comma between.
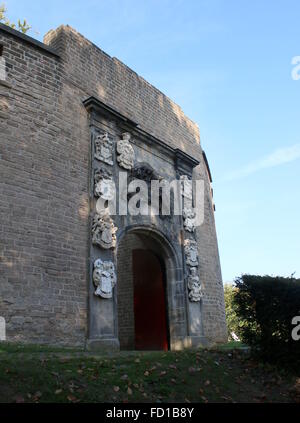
x: 265, y: 307
x: 232, y: 319
x: 21, y: 26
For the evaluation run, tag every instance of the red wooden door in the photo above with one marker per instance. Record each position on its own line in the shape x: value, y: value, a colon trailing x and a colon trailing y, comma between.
x: 149, y: 302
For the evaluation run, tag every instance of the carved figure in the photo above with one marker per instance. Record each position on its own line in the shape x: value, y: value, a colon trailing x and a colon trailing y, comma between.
x: 104, y: 278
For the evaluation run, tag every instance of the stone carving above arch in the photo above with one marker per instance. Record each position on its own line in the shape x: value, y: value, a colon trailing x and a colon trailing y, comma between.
x: 125, y: 152
x: 145, y: 172
x: 191, y: 252
x: 104, y: 231
x: 195, y: 289
x: 104, y: 278
x: 104, y: 149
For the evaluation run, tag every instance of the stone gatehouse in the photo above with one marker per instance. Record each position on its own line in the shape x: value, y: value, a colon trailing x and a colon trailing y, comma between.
x: 72, y: 119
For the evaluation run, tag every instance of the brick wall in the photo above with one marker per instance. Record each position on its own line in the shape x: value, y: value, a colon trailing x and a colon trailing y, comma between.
x: 43, y: 200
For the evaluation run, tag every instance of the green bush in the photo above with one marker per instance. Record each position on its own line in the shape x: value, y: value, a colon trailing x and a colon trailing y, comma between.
x: 232, y: 319
x: 265, y: 307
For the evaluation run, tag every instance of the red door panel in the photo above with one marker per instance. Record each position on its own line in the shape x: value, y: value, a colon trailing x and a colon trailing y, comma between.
x: 149, y: 302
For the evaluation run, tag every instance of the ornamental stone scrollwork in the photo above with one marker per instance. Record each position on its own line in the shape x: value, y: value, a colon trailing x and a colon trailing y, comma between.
x: 104, y: 231
x: 104, y: 184
x: 104, y: 149
x: 191, y: 252
x: 189, y: 216
x: 145, y: 172
x: 125, y: 152
x: 195, y: 289
x: 104, y: 278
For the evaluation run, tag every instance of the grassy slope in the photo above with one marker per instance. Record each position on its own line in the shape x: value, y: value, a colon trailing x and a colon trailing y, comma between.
x: 44, y: 374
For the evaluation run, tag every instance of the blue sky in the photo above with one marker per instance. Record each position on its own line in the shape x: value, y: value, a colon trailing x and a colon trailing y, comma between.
x: 228, y: 64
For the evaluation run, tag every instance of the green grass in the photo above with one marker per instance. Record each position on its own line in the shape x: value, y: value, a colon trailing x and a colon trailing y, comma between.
x: 45, y: 374
x: 9, y: 347
x: 231, y: 345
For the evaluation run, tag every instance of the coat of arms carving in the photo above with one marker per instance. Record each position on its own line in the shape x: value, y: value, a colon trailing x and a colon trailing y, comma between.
x: 191, y: 252
x: 189, y: 216
x: 104, y: 278
x: 125, y: 152
x: 104, y: 231
x: 196, y: 292
x: 104, y: 184
x: 104, y: 149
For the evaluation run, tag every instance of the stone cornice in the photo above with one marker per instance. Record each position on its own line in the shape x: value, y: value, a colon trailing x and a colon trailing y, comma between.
x: 184, y: 163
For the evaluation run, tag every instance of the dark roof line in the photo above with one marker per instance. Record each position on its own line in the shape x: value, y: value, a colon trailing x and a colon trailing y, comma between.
x: 28, y: 40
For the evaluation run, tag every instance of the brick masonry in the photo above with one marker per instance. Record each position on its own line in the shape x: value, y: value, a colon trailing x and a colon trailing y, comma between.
x: 44, y: 187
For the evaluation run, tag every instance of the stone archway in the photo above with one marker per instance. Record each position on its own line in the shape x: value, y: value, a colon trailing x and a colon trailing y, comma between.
x: 154, y: 243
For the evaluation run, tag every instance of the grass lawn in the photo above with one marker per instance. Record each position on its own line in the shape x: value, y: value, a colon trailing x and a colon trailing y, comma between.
x: 226, y: 374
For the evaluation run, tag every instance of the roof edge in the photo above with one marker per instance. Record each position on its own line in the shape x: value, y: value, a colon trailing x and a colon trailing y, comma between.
x: 29, y: 40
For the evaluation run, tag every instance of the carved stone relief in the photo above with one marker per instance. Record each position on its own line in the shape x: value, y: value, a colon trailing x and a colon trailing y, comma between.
x: 189, y: 219
x: 196, y: 292
x: 104, y: 149
x: 125, y: 152
x: 186, y: 186
x: 104, y: 184
x: 104, y: 278
x: 191, y: 252
x: 104, y: 231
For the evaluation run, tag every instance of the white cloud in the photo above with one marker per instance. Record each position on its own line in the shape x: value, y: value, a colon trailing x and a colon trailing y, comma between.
x: 276, y: 158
